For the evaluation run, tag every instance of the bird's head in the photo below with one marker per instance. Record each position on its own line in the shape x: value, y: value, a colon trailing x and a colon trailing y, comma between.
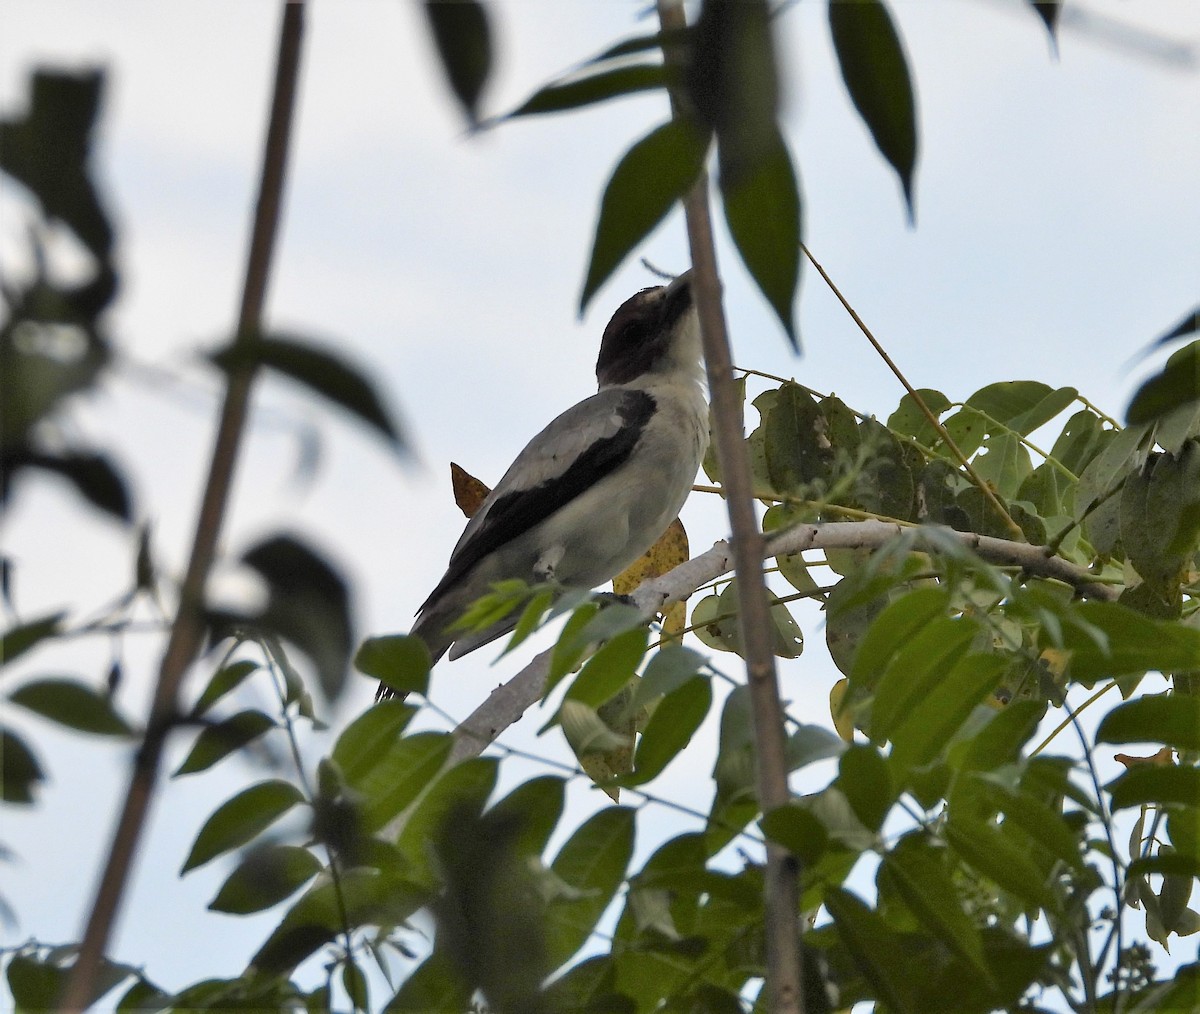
x: 653, y: 332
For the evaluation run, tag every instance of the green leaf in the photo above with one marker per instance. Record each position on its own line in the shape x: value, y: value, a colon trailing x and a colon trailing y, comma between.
x: 1173, y: 719
x: 908, y: 419
x: 35, y: 985
x: 536, y: 805
x: 873, y: 65
x: 24, y: 636
x: 434, y: 987
x: 365, y: 741
x: 943, y: 709
x: 592, y: 862
x: 1022, y: 406
x: 19, y: 769
x: 267, y: 876
x: 655, y: 173
x: 464, y: 786
x: 918, y: 670
x: 918, y: 872
x: 1081, y: 439
x: 763, y: 212
x: 1149, y: 783
x: 670, y: 729
x: 1177, y: 384
x: 878, y: 951
x: 399, y: 774
x: 995, y: 856
x: 1108, y: 639
x: 464, y: 43
x: 399, y: 661
x: 1118, y: 455
x: 864, y: 779
x: 894, y: 628
x: 73, y: 704
x: 669, y: 669
x: 49, y: 151
x: 308, y: 604
x: 609, y: 670
x: 223, y: 681
x: 319, y: 915
x: 321, y: 370
x: 218, y: 741
x: 798, y: 830
x: 240, y: 819
x: 592, y: 88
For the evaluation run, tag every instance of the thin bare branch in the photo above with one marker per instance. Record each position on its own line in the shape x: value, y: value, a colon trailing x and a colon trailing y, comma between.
x: 942, y: 432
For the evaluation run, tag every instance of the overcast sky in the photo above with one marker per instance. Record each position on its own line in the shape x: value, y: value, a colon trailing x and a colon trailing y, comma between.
x: 1056, y: 235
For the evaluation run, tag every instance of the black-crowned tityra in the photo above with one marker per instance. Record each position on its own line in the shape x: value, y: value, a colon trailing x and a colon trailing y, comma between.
x: 597, y: 487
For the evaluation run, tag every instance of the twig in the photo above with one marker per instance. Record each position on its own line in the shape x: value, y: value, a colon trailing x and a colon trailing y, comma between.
x: 188, y: 628
x: 782, y: 876
x: 987, y: 490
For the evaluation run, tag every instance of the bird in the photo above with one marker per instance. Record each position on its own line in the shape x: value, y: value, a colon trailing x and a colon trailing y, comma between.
x: 596, y: 488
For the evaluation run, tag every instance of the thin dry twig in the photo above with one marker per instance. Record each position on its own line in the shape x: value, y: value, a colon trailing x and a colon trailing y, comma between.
x: 942, y: 432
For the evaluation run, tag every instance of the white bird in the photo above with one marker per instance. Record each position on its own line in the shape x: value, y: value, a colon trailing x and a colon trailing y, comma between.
x: 597, y: 487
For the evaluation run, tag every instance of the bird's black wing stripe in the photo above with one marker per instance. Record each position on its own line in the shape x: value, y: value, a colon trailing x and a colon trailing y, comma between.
x: 516, y: 513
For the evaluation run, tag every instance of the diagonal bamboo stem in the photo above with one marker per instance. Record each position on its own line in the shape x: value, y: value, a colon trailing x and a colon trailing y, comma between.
x: 188, y: 628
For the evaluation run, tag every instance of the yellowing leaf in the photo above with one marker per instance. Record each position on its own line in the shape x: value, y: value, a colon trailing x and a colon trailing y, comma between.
x: 1164, y: 756
x: 469, y: 492
x: 665, y: 555
x: 843, y: 720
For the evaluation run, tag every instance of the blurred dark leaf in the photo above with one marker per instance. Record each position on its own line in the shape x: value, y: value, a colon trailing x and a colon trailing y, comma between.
x: 92, y: 475
x: 218, y: 741
x: 463, y: 38
x: 592, y: 88
x: 878, y: 951
x: 46, y: 354
x: 733, y: 85
x: 19, y: 769
x: 308, y: 605
x: 321, y: 370
x: 592, y: 862
x: 434, y: 987
x: 1048, y: 11
x: 1177, y: 384
x: 363, y: 895
x: 763, y: 212
x: 49, y: 151
x: 21, y: 638
x: 875, y: 70
x: 655, y: 173
x: 490, y: 918
x: 1188, y: 325
x: 73, y: 704
x: 265, y: 877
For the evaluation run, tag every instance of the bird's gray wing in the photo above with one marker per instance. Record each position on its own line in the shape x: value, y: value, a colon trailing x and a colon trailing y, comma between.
x: 587, y: 442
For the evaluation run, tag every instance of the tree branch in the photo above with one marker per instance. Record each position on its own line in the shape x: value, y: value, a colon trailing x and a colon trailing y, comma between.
x: 509, y: 701
x: 188, y: 628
